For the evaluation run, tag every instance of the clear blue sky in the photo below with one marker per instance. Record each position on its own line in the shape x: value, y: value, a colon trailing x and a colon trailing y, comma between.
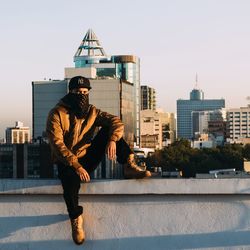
x: 174, y: 39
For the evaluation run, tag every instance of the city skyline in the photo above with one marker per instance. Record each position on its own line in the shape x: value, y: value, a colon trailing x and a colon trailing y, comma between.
x: 175, y: 40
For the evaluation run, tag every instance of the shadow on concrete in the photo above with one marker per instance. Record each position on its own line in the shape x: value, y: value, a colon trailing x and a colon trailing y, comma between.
x: 227, y: 240
x: 9, y: 225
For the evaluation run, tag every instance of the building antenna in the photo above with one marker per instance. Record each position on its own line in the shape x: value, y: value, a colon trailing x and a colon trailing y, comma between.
x: 196, y: 81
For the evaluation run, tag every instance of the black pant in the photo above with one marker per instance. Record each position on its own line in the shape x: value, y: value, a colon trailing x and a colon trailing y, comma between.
x: 71, y: 181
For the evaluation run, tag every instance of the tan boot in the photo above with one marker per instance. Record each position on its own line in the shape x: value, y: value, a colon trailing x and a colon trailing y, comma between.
x: 78, y: 233
x: 132, y: 171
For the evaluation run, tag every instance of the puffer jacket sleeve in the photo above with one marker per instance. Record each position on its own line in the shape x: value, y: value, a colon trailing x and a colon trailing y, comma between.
x: 115, y: 125
x: 55, y: 136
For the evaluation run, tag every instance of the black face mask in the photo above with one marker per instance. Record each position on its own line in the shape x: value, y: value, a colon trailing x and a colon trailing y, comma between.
x: 79, y: 103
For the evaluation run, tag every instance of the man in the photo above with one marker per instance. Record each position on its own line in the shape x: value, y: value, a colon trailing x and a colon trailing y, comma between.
x: 70, y: 128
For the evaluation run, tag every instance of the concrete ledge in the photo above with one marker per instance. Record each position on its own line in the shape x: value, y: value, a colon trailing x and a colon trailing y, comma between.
x: 148, y: 214
x: 131, y: 187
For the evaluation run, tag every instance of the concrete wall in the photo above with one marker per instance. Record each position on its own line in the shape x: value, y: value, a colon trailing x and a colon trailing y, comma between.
x: 128, y: 214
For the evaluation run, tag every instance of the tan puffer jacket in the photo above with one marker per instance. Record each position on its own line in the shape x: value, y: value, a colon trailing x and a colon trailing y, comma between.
x: 69, y: 137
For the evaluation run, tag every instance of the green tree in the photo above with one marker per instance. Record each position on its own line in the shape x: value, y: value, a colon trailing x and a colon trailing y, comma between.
x: 180, y: 156
x: 246, y: 152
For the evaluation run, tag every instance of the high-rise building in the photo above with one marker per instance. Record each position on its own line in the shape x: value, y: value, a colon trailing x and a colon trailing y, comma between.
x: 239, y: 124
x: 115, y: 96
x: 18, y: 134
x: 45, y: 95
x: 148, y: 98
x: 196, y: 103
x: 126, y: 68
x: 115, y: 81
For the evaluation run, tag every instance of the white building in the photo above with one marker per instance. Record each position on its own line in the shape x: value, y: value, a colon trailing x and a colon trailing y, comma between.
x: 202, y: 144
x: 239, y: 124
x: 157, y: 128
x: 151, y: 129
x: 18, y: 134
x: 168, y: 123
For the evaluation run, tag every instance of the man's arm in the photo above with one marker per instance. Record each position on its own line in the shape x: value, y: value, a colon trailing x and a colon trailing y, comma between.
x: 55, y: 135
x: 111, y: 150
x: 114, y: 123
x: 60, y: 150
x: 116, y: 129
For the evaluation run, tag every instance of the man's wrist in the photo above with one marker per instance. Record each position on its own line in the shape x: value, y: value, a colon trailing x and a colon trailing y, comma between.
x: 76, y: 165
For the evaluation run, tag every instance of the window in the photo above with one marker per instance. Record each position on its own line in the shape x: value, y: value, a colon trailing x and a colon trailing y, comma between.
x: 14, y: 137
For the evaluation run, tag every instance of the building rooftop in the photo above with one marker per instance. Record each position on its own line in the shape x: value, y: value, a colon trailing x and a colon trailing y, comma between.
x: 128, y: 214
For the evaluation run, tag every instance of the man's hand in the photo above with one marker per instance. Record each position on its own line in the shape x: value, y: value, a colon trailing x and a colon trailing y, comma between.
x: 111, y: 150
x: 83, y: 174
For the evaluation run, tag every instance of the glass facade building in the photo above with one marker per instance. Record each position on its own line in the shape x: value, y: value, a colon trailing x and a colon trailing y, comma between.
x: 25, y: 161
x: 6, y: 161
x: 92, y: 62
x: 196, y: 103
x: 124, y: 67
x: 45, y: 95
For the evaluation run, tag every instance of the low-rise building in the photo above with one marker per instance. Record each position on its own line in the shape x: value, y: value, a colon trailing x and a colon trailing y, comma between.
x: 18, y: 134
x: 151, y: 129
x: 25, y: 161
x: 210, y: 122
x: 157, y: 129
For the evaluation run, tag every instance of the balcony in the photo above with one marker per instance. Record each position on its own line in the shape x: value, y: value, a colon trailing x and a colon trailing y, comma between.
x: 128, y: 214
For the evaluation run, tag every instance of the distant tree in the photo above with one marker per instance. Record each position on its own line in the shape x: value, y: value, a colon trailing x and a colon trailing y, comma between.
x: 231, y: 156
x: 180, y: 156
x: 174, y: 157
x: 246, y: 152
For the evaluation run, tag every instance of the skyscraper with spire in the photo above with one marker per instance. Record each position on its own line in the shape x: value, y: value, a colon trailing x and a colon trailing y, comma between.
x: 195, y: 103
x: 91, y: 56
x: 115, y: 82
x: 90, y: 51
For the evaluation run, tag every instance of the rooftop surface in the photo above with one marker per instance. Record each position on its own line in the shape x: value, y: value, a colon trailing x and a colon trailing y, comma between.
x: 128, y: 214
